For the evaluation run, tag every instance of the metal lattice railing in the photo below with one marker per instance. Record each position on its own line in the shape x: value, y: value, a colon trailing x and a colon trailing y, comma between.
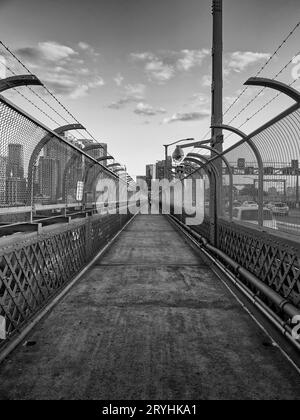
x: 271, y: 259
x: 32, y: 272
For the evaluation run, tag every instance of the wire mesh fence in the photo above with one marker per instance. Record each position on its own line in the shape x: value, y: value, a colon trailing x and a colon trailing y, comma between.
x: 265, y: 191
x: 41, y: 173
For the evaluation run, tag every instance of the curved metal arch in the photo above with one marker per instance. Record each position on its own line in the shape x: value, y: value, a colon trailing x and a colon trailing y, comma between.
x: 91, y: 183
x: 229, y: 172
x: 20, y: 80
x: 276, y: 85
x: 205, y: 167
x: 37, y: 150
x: 211, y: 175
x: 206, y: 159
x: 94, y: 146
x: 89, y: 147
x: 68, y: 127
x: 119, y: 170
x: 260, y: 164
x: 89, y: 167
x: 100, y: 159
x: 113, y: 165
x: 217, y: 153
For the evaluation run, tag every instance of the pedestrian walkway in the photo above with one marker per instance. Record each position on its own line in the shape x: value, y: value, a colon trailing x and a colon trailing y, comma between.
x: 149, y: 320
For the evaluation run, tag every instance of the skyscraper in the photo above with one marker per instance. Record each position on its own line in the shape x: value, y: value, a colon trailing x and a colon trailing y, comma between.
x: 15, y: 161
x: 15, y: 184
x: 48, y: 178
x: 150, y: 174
x: 160, y: 169
x: 3, y: 161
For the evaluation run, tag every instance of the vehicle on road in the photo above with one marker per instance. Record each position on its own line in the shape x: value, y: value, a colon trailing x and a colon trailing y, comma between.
x: 237, y: 203
x: 249, y: 204
x: 281, y: 209
x: 250, y: 215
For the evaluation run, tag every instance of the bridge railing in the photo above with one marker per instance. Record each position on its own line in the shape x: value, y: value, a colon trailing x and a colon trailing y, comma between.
x: 52, y: 216
x: 257, y: 222
x: 34, y: 268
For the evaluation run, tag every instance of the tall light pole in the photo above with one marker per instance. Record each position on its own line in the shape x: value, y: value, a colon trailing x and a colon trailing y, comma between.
x: 217, y: 106
x: 217, y: 74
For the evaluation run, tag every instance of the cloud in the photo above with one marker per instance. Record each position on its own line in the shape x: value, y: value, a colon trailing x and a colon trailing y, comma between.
x: 66, y: 71
x: 200, y: 99
x: 187, y: 116
x: 70, y: 87
x: 158, y: 71
x: 164, y: 65
x: 206, y: 80
x: 130, y: 94
x: 48, y: 51
x: 191, y: 58
x: 145, y: 56
x: 148, y: 110
x: 238, y: 61
x: 88, y: 48
x: 119, y: 79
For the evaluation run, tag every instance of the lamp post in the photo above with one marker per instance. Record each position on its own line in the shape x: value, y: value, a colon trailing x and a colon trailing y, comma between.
x: 217, y: 102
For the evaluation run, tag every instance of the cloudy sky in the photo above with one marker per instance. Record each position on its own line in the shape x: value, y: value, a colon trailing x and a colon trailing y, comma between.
x: 136, y: 73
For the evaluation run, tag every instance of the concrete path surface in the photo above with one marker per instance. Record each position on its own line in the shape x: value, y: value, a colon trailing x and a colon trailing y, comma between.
x: 148, y: 321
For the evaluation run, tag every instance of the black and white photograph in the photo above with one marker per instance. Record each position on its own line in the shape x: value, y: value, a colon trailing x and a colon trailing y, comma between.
x: 149, y: 203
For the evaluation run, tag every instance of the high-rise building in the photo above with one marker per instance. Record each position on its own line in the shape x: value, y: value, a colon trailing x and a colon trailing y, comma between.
x: 160, y: 169
x: 15, y: 183
x: 3, y: 162
x: 15, y: 191
x: 150, y: 174
x: 140, y: 178
x: 15, y: 161
x: 61, y: 153
x: 48, y: 177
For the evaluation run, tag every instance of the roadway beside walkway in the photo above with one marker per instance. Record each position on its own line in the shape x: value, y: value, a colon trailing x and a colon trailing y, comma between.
x: 149, y: 320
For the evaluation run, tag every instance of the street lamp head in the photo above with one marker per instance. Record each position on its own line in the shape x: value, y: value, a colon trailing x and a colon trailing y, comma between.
x: 178, y: 154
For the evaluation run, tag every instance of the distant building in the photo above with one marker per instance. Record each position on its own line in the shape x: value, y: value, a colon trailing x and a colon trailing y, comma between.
x: 150, y: 174
x: 15, y: 161
x: 15, y: 183
x: 15, y: 191
x: 141, y: 178
x: 160, y: 169
x: 48, y: 177
x: 3, y: 162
